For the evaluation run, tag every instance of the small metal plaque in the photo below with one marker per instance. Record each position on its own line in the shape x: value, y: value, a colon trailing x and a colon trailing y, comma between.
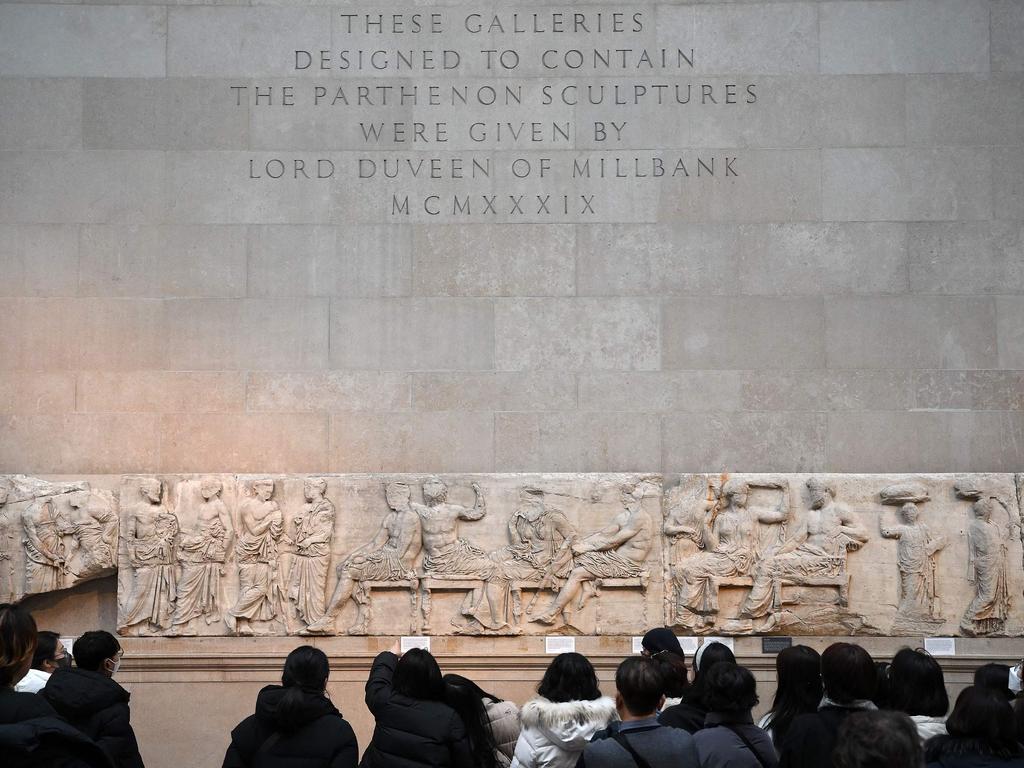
x: 775, y: 644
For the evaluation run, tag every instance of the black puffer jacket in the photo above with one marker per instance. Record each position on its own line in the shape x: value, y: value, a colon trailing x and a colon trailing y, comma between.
x: 411, y: 733
x: 313, y: 735
x: 98, y: 707
x: 32, y: 736
x: 950, y: 752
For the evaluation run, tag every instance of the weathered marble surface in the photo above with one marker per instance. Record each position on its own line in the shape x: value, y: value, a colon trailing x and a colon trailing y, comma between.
x: 529, y: 554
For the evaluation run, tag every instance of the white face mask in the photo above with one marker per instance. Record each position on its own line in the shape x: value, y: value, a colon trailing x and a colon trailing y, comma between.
x: 117, y: 666
x: 1015, y: 684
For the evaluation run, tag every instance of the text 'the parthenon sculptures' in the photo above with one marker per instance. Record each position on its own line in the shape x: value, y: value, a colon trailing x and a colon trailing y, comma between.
x: 798, y: 554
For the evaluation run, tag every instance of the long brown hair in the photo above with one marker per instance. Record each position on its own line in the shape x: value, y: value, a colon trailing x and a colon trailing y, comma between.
x: 17, y: 643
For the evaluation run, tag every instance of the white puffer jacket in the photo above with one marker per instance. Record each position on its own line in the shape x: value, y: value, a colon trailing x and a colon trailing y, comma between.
x: 555, y: 733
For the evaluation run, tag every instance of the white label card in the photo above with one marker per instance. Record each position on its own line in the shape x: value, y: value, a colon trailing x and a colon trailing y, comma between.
x: 69, y: 643
x: 689, y: 644
x: 940, y: 646
x: 408, y: 643
x: 728, y: 642
x: 558, y: 644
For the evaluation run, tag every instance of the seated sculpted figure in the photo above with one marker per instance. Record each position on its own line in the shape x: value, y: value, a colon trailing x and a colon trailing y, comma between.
x: 617, y: 551
x: 388, y: 556
x: 817, y: 548
x: 729, y: 540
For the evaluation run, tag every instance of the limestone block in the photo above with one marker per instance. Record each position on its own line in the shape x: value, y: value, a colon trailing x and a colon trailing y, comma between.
x: 913, y: 36
x: 66, y: 334
x: 967, y: 257
x: 412, y: 334
x: 499, y: 260
x: 242, y: 42
x: 646, y: 259
x: 753, y: 194
x: 601, y: 391
x: 30, y: 392
x: 920, y: 332
x: 81, y: 187
x: 965, y: 109
x: 1008, y: 183
x: 781, y: 441
x: 969, y: 390
x: 1010, y: 331
x: 166, y: 113
x: 577, y: 334
x: 577, y: 441
x: 161, y: 391
x: 766, y: 38
x: 846, y: 390
x: 395, y: 442
x: 227, y: 334
x: 82, y: 41
x: 494, y: 391
x: 53, y: 535
x: 907, y: 185
x: 78, y: 442
x: 950, y: 440
x: 328, y: 391
x: 1007, y: 28
x: 49, y: 114
x: 751, y: 332
x: 368, y: 261
x: 163, y: 260
x: 282, y: 443
x: 39, y: 260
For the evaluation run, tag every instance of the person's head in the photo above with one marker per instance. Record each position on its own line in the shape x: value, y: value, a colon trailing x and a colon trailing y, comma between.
x: 730, y: 688
x: 917, y: 685
x: 263, y: 488
x: 662, y: 645
x: 468, y: 700
x: 531, y: 503
x: 397, y: 496
x: 910, y: 513
x: 1018, y: 720
x: 994, y: 677
x: 798, y: 689
x: 314, y: 488
x: 983, y: 509
x: 434, y: 491
x: 985, y: 718
x: 848, y: 673
x: 735, y: 492
x: 50, y: 654
x: 639, y: 687
x: 820, y: 492
x: 151, y: 488
x: 210, y: 487
x: 98, y: 651
x: 878, y: 739
x: 569, y: 677
x: 881, y: 697
x: 17, y: 643
x: 305, y: 674
x: 418, y: 676
x: 707, y: 656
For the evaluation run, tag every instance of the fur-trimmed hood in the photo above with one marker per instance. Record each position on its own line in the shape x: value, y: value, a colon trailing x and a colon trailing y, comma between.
x: 568, y: 723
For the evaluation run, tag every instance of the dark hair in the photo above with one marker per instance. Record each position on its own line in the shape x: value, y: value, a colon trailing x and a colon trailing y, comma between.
x: 640, y: 682
x: 798, y: 692
x: 1018, y: 719
x: 714, y: 653
x: 878, y: 739
x: 981, y: 723
x: 917, y: 685
x: 663, y: 646
x: 418, y: 676
x: 46, y: 648
x: 467, y: 699
x: 95, y: 647
x: 730, y: 688
x: 881, y: 697
x: 995, y: 677
x: 17, y: 643
x: 569, y: 677
x: 847, y: 673
x: 305, y: 672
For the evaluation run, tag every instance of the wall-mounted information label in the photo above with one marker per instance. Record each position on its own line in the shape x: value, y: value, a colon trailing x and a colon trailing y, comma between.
x: 940, y: 646
x: 558, y: 644
x: 638, y: 645
x: 775, y: 644
x: 416, y: 641
x: 689, y: 644
x: 728, y: 642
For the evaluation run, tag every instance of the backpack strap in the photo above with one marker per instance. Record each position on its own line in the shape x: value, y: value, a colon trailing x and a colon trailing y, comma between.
x: 747, y: 743
x: 622, y: 741
x: 268, y: 743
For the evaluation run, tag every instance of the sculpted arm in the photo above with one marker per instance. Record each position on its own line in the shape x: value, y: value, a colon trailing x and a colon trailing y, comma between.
x: 479, y: 508
x: 409, y: 539
x: 851, y: 526
x: 614, y: 535
x: 798, y: 538
x: 892, y: 533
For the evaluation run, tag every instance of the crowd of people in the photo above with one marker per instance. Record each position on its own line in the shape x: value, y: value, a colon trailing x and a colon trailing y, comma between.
x: 839, y: 709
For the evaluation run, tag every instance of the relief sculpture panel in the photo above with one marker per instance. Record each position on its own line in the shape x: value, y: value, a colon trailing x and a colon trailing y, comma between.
x: 531, y: 554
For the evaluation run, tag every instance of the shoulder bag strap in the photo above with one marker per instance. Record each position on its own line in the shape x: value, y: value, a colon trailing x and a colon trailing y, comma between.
x: 622, y: 741
x: 269, y: 742
x: 747, y: 743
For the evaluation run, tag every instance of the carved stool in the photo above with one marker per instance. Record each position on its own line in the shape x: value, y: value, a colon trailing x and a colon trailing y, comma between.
x: 428, y: 583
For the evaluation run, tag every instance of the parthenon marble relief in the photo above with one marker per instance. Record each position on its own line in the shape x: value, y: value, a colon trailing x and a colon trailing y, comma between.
x: 510, y: 554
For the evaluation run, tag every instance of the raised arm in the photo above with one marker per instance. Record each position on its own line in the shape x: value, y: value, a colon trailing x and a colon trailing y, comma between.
x: 479, y: 508
x: 852, y: 527
x: 892, y: 533
x: 379, y: 688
